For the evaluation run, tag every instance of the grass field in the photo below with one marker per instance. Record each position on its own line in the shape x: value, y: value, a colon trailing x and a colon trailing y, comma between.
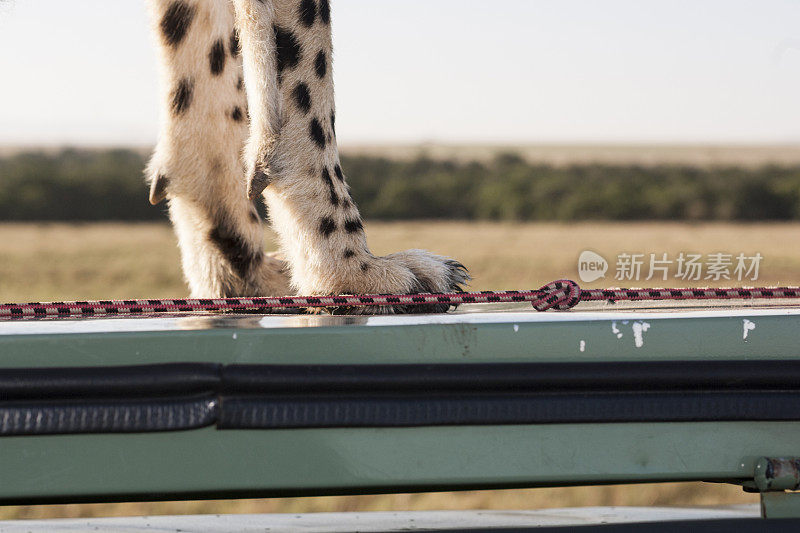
x: 613, y: 154
x: 59, y: 261
x: 55, y: 262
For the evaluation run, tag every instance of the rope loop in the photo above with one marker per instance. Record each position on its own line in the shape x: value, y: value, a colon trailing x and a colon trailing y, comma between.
x: 560, y: 295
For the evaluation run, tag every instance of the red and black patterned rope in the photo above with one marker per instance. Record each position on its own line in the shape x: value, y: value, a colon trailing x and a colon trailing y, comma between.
x: 560, y: 295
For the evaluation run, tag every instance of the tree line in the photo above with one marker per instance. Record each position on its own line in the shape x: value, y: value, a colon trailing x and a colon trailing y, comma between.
x: 95, y: 185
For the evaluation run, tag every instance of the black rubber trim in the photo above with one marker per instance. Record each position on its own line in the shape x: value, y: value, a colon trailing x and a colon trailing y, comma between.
x: 503, y: 377
x: 124, y: 416
x: 111, y: 399
x: 248, y: 412
x: 171, y: 379
x: 308, y: 396
x: 185, y: 396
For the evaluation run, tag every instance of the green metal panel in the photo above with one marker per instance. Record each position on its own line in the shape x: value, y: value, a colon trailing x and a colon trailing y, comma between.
x: 211, y: 462
x: 484, y: 337
x: 780, y: 504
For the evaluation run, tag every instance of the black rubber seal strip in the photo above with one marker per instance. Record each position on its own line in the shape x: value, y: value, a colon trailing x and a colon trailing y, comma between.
x: 140, y: 381
x: 107, y: 416
x: 504, y: 377
x: 184, y: 396
x: 276, y: 412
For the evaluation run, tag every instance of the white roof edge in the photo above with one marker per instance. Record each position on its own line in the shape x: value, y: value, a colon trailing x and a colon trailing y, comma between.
x: 384, y: 521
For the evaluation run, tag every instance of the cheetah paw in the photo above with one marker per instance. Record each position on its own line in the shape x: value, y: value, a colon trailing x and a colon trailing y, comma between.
x: 408, y: 272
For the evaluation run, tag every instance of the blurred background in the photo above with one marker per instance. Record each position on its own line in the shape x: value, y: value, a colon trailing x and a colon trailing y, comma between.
x: 511, y: 134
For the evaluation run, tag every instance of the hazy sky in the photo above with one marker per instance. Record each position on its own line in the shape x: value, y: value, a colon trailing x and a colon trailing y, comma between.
x: 83, y: 72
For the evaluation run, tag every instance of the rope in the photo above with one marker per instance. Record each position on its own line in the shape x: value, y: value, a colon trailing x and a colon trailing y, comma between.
x: 560, y: 295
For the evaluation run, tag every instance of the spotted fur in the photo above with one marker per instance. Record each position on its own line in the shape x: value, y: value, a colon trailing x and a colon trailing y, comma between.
x: 182, y: 96
x: 254, y: 77
x: 175, y: 22
x: 326, y: 177
x: 197, y: 164
x: 216, y: 57
x: 302, y: 97
x: 321, y: 64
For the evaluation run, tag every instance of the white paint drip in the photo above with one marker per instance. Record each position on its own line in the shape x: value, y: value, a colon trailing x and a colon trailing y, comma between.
x: 747, y: 327
x: 638, y: 327
x: 516, y: 328
x: 638, y: 330
x: 583, y: 346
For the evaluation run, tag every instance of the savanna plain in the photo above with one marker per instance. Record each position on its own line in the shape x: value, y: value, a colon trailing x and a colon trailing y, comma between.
x: 46, y: 262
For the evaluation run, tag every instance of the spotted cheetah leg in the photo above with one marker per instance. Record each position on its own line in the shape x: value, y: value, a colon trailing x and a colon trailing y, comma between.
x: 197, y: 164
x: 286, y: 45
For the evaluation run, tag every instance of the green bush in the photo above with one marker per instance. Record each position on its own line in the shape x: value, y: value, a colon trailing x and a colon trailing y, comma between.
x: 83, y: 185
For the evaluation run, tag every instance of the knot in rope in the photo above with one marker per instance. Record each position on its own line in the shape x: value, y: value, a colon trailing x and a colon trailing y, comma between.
x: 561, y: 295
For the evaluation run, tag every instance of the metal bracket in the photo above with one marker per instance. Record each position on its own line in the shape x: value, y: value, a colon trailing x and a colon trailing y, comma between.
x: 773, y: 477
x: 779, y: 473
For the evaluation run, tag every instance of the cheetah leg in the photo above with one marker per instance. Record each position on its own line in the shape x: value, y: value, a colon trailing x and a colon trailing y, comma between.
x: 197, y: 164
x: 286, y: 45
